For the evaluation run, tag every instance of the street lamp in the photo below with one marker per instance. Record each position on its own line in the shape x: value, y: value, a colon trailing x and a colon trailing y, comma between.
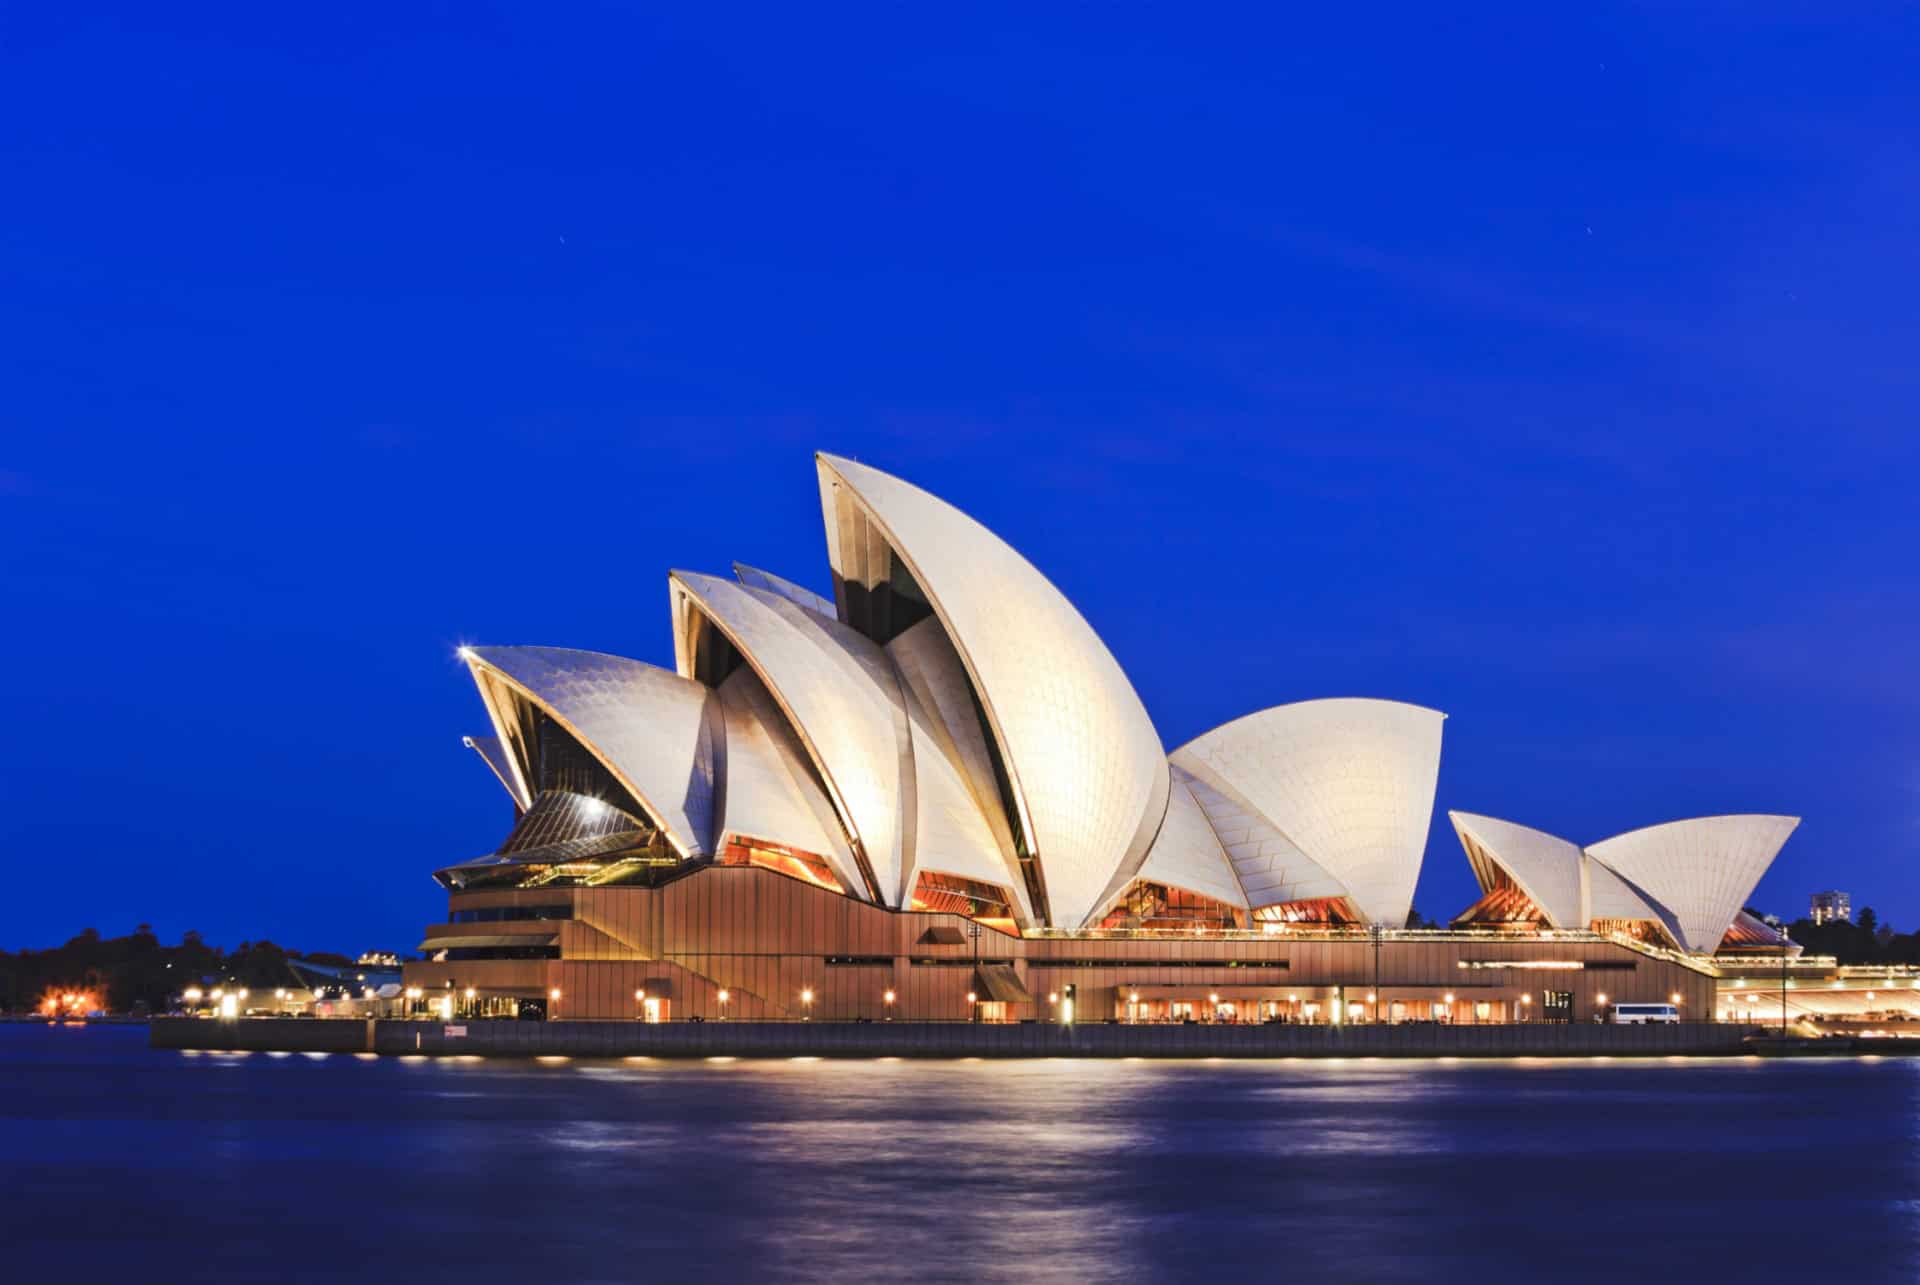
x: 553, y: 1000
x: 723, y: 1004
x: 806, y: 998
x: 888, y: 997
x: 973, y: 1006
x: 1526, y: 1002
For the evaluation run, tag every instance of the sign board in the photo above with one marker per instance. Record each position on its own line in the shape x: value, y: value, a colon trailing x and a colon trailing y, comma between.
x: 454, y: 1032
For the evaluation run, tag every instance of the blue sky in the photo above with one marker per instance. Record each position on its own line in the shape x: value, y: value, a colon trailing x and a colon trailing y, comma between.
x: 1550, y: 368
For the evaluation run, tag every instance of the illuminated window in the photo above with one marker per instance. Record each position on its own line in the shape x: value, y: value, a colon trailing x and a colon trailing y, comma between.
x: 791, y: 862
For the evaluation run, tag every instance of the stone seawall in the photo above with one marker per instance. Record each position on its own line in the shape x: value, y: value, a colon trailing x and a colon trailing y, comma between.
x: 263, y: 1034
x: 957, y: 1039
x: 939, y: 1039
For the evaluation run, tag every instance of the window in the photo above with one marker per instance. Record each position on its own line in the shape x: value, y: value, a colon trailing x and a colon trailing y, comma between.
x: 509, y: 914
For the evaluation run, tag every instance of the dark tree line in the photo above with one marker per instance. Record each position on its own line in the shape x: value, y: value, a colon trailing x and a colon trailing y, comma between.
x: 137, y: 968
x: 1864, y: 941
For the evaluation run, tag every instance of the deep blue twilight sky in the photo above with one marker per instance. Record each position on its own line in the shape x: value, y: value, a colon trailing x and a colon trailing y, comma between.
x: 1554, y: 371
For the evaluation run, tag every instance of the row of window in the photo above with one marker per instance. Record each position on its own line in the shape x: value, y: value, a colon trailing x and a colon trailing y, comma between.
x: 505, y: 914
x: 968, y: 961
x: 461, y: 954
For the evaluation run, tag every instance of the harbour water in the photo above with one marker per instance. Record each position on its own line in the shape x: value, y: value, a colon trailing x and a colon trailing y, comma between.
x: 120, y: 1162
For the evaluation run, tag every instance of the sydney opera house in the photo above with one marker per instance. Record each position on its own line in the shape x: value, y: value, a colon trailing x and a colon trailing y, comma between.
x: 937, y: 796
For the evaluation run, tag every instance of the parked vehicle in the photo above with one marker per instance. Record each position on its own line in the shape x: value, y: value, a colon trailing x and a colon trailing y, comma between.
x: 1644, y: 1014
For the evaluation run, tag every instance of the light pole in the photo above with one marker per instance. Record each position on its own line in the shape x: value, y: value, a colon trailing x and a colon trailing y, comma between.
x: 806, y: 999
x: 1526, y: 1002
x: 1601, y: 1001
x: 1378, y: 932
x: 973, y: 1006
x: 553, y: 998
x: 973, y: 931
x: 1783, y: 986
x: 723, y: 1005
x: 888, y: 997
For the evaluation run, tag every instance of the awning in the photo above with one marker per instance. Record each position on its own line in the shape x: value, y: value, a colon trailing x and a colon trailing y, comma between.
x: 517, y: 939
x: 658, y: 987
x: 1001, y: 983
x: 943, y: 935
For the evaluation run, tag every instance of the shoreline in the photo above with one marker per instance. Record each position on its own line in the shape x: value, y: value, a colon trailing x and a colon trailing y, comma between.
x: 507, y: 1038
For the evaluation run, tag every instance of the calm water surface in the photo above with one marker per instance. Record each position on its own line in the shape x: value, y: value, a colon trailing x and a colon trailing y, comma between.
x: 118, y: 1162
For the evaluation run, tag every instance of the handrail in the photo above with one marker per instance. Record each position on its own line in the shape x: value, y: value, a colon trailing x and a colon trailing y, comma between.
x: 1365, y: 935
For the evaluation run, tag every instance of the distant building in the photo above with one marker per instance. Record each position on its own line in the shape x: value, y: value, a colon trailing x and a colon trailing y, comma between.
x: 1831, y: 907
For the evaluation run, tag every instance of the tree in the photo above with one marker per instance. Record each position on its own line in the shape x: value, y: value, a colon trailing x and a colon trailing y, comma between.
x: 1868, y: 920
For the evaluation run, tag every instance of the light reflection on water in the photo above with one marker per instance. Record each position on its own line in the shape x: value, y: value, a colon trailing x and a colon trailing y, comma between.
x: 882, y: 1169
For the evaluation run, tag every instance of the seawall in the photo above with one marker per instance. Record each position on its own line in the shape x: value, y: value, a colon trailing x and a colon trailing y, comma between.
x: 941, y: 1039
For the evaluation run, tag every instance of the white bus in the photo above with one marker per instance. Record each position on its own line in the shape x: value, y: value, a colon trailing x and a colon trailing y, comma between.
x: 1642, y: 1014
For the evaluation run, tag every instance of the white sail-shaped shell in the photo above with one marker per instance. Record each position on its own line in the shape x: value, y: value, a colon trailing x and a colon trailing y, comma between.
x: 1349, y: 781
x: 1702, y: 870
x: 1545, y: 868
x: 653, y: 730
x: 1086, y: 770
x: 841, y: 696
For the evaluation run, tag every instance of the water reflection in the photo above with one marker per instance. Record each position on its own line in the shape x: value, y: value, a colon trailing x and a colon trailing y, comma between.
x: 791, y: 1169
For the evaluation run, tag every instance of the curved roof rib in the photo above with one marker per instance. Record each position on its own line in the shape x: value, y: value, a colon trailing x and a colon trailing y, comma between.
x: 841, y: 697
x: 493, y: 753
x: 1703, y: 869
x: 1269, y: 867
x: 799, y: 595
x: 653, y: 730
x: 1187, y: 853
x: 1609, y: 897
x: 949, y: 833
x: 769, y: 790
x: 1349, y: 782
x: 1543, y: 867
x: 1086, y: 773
x: 933, y: 677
